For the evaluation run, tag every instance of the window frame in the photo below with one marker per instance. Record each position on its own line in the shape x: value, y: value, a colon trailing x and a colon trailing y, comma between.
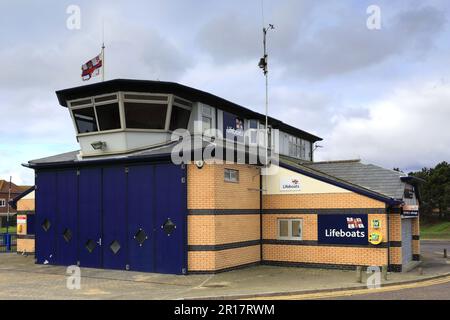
x: 290, y: 223
x: 209, y: 116
x: 75, y: 121
x: 93, y: 105
x: 169, y: 101
x: 4, y: 203
x: 253, y: 132
x: 229, y: 179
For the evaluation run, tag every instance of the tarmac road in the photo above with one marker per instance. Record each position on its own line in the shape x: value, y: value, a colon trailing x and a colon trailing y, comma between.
x: 439, y: 291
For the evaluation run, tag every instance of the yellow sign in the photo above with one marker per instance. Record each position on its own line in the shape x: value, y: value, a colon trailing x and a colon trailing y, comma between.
x: 375, y: 238
x: 21, y: 224
x: 376, y: 223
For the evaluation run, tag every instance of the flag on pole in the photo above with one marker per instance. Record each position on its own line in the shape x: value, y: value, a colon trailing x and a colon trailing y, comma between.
x: 92, y: 68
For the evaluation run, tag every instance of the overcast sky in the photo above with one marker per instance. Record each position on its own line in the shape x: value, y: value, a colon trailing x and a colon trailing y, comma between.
x: 379, y: 95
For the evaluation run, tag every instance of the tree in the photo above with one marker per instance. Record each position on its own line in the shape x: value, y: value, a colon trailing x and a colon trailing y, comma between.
x: 435, y: 192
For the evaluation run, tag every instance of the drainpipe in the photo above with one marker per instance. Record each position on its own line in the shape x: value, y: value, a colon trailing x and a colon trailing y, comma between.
x: 388, y: 239
x: 260, y: 218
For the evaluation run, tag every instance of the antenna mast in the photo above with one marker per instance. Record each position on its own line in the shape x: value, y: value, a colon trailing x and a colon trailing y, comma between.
x: 103, y: 50
x: 263, y: 64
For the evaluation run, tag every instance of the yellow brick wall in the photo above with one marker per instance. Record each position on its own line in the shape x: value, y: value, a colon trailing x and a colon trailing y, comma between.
x: 320, y: 201
x: 201, y: 191
x: 218, y: 260
x: 326, y: 255
x: 25, y: 245
x: 416, y: 232
x: 207, y: 189
x: 395, y: 255
x: 25, y: 205
x: 395, y: 227
x: 222, y: 229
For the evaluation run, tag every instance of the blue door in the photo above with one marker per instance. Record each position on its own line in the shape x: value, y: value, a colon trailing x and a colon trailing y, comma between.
x: 114, y: 218
x: 45, y: 217
x: 90, y: 218
x: 171, y: 204
x: 141, y: 214
x: 67, y: 209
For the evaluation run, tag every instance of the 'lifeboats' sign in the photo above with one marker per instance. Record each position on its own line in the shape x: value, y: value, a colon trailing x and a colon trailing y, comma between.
x: 289, y: 184
x: 342, y: 229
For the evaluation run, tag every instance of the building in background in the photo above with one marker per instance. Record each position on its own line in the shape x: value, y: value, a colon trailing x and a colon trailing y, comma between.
x: 6, y: 196
x: 24, y: 205
x: 120, y: 202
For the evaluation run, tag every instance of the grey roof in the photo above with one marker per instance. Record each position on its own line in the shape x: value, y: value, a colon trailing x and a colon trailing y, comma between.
x: 306, y: 167
x: 375, y: 178
x: 63, y: 157
x: 162, y: 151
x: 72, y: 157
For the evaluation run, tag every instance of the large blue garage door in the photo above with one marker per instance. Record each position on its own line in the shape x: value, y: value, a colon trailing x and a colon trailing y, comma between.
x: 141, y: 218
x: 90, y: 218
x: 46, y: 217
x: 119, y: 217
x: 66, y: 220
x: 114, y: 218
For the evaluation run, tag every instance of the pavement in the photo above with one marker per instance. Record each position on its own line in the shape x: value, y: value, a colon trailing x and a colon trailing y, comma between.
x: 20, y: 278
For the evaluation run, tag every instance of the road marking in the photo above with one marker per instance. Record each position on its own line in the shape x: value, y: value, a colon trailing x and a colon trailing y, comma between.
x: 348, y: 293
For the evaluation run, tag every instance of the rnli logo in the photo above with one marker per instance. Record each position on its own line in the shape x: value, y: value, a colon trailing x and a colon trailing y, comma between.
x: 289, y: 184
x: 355, y: 223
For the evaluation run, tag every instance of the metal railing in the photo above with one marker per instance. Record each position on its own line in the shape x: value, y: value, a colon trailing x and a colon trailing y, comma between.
x: 8, y: 242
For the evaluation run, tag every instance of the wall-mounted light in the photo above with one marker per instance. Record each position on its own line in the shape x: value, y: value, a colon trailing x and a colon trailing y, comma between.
x: 98, y: 145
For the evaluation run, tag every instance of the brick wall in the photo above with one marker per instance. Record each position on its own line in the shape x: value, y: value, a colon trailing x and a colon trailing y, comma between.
x: 395, y: 234
x: 416, y: 242
x: 208, y: 190
x: 320, y: 200
x: 210, y: 233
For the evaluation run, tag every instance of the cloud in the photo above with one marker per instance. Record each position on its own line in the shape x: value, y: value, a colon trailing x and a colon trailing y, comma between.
x: 339, y: 44
x: 349, y: 46
x: 408, y: 130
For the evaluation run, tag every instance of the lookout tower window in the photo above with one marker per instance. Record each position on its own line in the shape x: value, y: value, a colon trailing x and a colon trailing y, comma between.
x: 108, y: 116
x: 145, y: 115
x: 85, y: 120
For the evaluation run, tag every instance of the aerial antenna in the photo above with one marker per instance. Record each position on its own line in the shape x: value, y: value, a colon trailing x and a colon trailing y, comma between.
x: 103, y: 49
x: 263, y: 64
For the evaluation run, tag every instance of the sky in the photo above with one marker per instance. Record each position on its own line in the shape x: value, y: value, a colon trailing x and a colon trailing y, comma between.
x: 382, y: 96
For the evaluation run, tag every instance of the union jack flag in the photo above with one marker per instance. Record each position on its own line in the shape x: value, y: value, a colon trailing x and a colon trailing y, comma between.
x: 355, y: 223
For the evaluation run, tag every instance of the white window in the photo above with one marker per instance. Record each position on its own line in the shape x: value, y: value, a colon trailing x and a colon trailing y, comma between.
x: 207, y: 118
x: 253, y: 129
x: 2, y: 203
x: 290, y: 229
x: 297, y: 148
x: 231, y: 175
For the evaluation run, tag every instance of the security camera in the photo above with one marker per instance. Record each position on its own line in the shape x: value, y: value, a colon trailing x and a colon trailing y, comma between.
x: 199, y: 163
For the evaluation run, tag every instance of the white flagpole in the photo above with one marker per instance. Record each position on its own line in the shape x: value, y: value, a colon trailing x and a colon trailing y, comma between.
x: 103, y: 50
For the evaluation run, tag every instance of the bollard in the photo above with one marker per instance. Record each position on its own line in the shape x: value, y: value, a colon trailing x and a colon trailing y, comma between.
x: 445, y: 253
x: 384, y: 272
x: 8, y: 242
x: 420, y: 269
x: 359, y: 274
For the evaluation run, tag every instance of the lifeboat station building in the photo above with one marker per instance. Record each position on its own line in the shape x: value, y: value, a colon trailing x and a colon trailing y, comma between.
x: 122, y: 202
